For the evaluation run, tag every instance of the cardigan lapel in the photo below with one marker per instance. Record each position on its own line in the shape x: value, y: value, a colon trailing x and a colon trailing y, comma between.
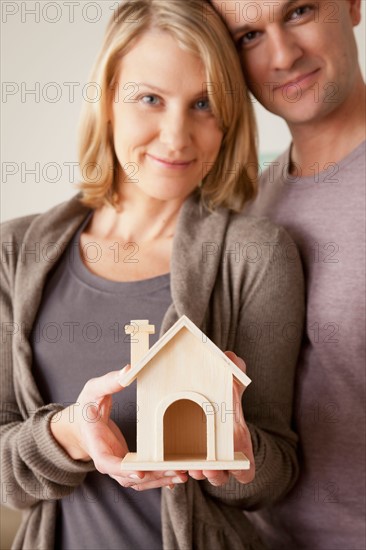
x: 43, y: 244
x: 196, y: 256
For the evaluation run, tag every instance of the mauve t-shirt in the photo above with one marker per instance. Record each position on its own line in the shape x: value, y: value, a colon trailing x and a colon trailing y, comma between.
x: 79, y: 334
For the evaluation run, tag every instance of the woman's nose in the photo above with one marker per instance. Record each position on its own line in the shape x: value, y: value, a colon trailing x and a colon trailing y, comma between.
x: 175, y: 130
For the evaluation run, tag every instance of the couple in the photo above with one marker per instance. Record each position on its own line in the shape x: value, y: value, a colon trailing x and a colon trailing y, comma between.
x: 172, y: 144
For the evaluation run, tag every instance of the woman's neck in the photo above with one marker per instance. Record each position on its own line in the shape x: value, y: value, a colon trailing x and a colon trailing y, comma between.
x: 136, y: 219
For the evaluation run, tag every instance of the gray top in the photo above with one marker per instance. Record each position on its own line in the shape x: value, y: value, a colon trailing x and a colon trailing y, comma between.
x: 79, y: 334
x: 325, y: 215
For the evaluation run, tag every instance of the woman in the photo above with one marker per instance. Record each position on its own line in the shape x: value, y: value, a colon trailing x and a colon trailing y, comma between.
x: 155, y: 233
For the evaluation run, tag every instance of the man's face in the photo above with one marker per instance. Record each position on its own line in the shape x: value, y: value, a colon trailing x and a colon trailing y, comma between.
x: 299, y: 57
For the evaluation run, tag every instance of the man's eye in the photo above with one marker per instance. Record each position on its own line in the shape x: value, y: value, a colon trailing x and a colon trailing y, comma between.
x: 247, y: 38
x: 150, y: 99
x: 300, y: 12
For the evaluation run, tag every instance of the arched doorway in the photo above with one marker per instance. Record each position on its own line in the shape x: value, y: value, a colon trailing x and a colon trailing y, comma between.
x: 185, y: 431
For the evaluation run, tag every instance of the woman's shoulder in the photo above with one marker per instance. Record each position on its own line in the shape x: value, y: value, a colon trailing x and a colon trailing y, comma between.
x: 247, y: 228
x: 262, y: 245
x: 16, y: 229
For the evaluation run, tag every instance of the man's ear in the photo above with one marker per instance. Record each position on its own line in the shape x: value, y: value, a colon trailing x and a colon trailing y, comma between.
x: 355, y: 11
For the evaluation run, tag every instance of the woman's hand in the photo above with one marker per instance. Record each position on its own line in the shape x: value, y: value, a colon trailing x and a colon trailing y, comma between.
x: 86, y: 432
x: 242, y: 439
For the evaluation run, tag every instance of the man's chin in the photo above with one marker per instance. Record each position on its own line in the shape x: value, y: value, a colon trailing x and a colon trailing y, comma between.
x: 300, y: 113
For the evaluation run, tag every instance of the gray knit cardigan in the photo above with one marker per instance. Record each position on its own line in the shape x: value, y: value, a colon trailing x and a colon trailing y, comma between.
x: 240, y: 280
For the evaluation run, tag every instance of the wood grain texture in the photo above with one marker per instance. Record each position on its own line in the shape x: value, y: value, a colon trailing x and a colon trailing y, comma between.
x: 131, y: 462
x: 185, y: 412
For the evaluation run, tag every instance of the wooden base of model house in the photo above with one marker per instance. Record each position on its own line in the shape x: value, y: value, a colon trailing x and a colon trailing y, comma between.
x: 131, y: 462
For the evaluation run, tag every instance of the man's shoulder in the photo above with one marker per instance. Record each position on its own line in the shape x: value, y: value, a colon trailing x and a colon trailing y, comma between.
x: 354, y: 162
x: 275, y: 169
x: 271, y: 182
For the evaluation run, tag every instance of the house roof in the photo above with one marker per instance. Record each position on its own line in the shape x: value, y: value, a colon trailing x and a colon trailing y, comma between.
x: 182, y: 322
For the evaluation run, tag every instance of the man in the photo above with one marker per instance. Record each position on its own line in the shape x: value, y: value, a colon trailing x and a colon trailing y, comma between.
x: 300, y: 61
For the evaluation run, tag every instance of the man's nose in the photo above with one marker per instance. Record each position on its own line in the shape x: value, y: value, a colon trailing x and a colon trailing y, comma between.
x: 175, y: 130
x: 284, y: 50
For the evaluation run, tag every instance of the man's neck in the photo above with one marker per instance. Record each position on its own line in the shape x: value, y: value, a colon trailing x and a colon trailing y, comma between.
x: 332, y: 138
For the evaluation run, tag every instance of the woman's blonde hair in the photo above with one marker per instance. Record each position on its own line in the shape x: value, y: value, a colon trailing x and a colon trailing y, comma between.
x: 198, y: 28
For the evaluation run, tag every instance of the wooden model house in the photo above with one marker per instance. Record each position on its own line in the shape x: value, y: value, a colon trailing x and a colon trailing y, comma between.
x: 185, y: 416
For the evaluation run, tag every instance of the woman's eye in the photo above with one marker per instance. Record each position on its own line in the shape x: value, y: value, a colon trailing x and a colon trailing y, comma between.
x: 150, y: 99
x: 203, y: 105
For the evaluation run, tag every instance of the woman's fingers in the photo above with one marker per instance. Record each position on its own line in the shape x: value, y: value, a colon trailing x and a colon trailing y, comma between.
x: 241, y: 438
x: 85, y: 430
x: 99, y: 387
x: 243, y: 476
x: 237, y: 360
x: 105, y: 408
x: 238, y: 387
x: 153, y: 475
x: 142, y: 481
x: 147, y: 483
x: 102, y: 443
x: 197, y: 475
x: 118, y: 435
x: 156, y: 484
x: 216, y: 477
x: 105, y: 441
x: 106, y: 463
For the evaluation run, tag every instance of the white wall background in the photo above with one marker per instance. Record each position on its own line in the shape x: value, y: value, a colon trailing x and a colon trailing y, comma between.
x: 39, y: 129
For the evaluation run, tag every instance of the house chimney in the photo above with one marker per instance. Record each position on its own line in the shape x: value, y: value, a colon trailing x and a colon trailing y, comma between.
x: 139, y: 330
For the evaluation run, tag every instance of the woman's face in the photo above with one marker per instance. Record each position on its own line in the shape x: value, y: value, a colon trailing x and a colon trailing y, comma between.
x: 165, y: 136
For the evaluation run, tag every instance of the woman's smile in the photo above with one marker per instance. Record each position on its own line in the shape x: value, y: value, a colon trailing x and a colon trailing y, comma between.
x: 170, y: 164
